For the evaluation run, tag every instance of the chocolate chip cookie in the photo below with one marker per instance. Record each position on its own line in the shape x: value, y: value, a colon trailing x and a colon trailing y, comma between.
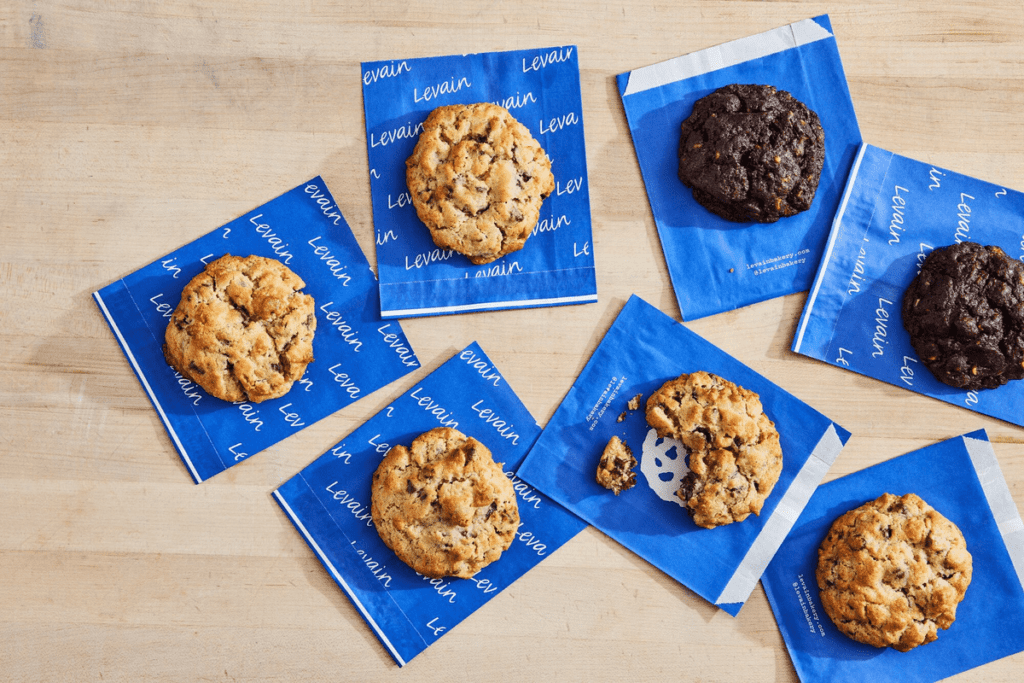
x: 477, y: 180
x: 965, y: 315
x: 443, y: 505
x: 615, y: 469
x: 892, y: 572
x: 733, y: 450
x: 243, y: 331
x: 752, y: 153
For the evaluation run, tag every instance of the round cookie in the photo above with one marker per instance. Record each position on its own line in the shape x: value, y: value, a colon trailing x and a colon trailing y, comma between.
x: 477, y: 179
x: 243, y: 331
x: 443, y: 505
x: 965, y: 315
x: 734, y: 454
x: 752, y: 153
x: 892, y: 572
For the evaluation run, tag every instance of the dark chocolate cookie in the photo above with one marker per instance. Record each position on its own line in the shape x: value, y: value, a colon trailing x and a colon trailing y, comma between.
x: 965, y: 315
x: 752, y: 153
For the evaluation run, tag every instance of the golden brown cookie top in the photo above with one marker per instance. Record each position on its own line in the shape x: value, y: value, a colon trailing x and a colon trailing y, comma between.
x: 892, y: 572
x: 477, y: 178
x: 735, y: 457
x: 243, y: 331
x: 443, y: 505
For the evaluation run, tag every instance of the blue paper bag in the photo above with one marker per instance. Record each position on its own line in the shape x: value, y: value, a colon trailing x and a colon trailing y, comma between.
x: 717, y: 265
x: 329, y: 503
x: 356, y: 352
x: 541, y: 89
x: 894, y: 212
x: 643, y: 349
x: 960, y: 478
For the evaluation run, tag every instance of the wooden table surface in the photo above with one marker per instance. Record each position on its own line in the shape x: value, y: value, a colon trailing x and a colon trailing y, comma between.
x: 130, y: 128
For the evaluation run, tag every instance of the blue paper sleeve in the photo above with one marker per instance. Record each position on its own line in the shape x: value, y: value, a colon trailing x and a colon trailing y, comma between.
x: 330, y: 500
x: 960, y: 478
x: 643, y: 349
x: 355, y: 351
x: 541, y: 89
x: 717, y: 265
x: 894, y: 212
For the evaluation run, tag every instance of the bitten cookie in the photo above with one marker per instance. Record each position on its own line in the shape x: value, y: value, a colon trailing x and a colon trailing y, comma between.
x: 965, y: 315
x: 615, y: 469
x: 752, y: 153
x: 443, y: 505
x: 243, y: 331
x: 734, y: 454
x: 892, y: 572
x: 478, y: 179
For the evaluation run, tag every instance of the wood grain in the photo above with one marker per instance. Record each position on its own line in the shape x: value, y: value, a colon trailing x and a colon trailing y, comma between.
x: 128, y: 129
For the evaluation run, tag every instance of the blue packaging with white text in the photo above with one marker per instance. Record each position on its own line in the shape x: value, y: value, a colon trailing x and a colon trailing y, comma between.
x: 355, y: 351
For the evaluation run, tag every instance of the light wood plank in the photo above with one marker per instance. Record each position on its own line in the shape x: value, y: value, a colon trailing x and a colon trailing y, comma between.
x: 129, y: 129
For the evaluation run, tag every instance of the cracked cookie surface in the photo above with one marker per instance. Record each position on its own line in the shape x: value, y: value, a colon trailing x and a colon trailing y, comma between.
x: 965, y: 315
x: 443, y: 505
x: 734, y: 456
x: 477, y: 178
x: 615, y: 469
x: 752, y: 153
x: 892, y: 572
x: 242, y: 331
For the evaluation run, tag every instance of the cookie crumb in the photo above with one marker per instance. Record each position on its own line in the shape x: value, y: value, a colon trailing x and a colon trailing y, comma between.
x: 632, y: 404
x: 615, y: 470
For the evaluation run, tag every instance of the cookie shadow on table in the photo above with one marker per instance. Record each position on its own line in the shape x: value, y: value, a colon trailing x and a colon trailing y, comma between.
x: 672, y: 202
x: 110, y: 384
x: 317, y: 578
x: 698, y: 605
